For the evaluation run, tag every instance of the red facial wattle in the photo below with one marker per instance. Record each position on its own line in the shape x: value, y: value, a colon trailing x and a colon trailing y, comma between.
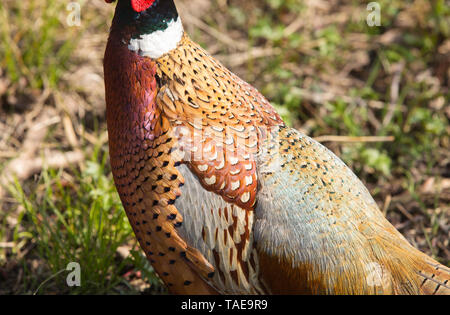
x: 138, y: 5
x: 141, y: 5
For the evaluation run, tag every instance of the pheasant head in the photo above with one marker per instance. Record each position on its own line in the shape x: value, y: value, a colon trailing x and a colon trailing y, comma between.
x: 153, y: 26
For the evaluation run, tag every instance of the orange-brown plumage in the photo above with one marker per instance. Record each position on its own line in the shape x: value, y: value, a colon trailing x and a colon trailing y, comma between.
x: 222, y: 196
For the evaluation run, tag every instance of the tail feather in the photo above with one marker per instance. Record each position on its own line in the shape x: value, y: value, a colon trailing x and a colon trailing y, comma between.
x: 435, y: 280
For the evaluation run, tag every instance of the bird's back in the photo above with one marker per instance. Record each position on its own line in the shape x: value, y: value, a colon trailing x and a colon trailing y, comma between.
x: 318, y: 221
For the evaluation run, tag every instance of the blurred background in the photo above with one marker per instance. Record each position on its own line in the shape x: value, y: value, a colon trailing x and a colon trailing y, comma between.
x: 377, y: 96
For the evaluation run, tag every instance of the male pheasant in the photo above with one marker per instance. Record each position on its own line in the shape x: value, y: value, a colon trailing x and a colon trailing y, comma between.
x: 223, y: 197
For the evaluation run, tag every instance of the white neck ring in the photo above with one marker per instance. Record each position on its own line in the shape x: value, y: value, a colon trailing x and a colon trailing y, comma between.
x: 158, y: 43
